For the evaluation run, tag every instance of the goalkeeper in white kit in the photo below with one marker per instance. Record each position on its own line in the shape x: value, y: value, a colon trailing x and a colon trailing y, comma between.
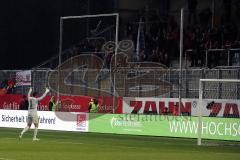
x: 32, y: 113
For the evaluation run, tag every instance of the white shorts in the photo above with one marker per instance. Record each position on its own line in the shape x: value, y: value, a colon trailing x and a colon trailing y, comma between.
x: 32, y: 119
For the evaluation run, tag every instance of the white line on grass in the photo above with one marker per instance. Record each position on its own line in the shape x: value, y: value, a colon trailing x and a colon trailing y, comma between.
x: 6, y: 138
x: 64, y: 142
x: 1, y: 158
x: 45, y: 135
x: 46, y: 141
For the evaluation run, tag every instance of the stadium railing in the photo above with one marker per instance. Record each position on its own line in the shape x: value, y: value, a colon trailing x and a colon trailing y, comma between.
x: 226, y: 57
x: 129, y: 83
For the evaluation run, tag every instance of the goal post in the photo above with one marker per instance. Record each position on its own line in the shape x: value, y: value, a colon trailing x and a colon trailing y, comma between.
x: 226, y: 90
x: 74, y: 32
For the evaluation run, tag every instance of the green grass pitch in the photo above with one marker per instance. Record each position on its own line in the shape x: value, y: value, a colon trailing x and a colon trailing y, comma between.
x: 92, y: 146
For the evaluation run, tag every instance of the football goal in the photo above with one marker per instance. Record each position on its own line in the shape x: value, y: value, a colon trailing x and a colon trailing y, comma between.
x: 218, y: 109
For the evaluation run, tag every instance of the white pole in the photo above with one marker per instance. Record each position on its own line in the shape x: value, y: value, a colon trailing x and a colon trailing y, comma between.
x: 60, y: 56
x: 180, y: 60
x: 199, y: 141
x: 138, y: 39
x: 115, y: 61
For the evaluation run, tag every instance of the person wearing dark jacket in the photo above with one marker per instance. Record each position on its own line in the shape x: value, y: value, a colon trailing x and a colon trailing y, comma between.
x: 24, y: 103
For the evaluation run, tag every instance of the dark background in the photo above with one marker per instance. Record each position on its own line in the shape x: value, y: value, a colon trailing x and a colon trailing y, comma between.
x: 29, y: 29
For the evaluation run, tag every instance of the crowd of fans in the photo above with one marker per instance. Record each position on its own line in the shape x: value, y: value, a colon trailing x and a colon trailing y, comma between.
x: 7, y: 86
x: 161, y: 37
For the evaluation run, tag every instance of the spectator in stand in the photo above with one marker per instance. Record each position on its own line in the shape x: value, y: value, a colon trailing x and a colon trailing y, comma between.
x: 129, y: 31
x: 153, y: 56
x: 142, y: 56
x: 3, y: 87
x: 164, y: 57
x: 108, y: 57
x: 196, y: 56
x: 4, y: 83
x: 8, y: 87
x: 24, y: 103
x: 172, y: 39
x: 3, y: 91
x: 11, y: 85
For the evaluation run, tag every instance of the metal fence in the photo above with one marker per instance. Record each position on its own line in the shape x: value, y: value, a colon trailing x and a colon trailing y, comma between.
x: 128, y: 83
x: 211, y: 58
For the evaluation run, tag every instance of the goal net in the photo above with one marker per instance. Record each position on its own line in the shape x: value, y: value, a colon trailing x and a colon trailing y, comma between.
x: 218, y: 110
x: 86, y: 46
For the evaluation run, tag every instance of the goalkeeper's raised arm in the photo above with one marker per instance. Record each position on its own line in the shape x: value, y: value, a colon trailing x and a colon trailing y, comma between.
x: 29, y: 92
x: 44, y: 94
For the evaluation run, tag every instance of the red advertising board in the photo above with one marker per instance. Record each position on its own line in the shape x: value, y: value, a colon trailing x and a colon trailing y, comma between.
x: 68, y: 103
x: 209, y: 107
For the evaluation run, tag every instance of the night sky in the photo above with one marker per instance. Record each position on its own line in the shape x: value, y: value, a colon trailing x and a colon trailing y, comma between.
x: 29, y: 29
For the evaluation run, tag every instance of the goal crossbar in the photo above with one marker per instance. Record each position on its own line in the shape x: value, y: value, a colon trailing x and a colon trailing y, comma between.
x: 219, y: 80
x: 90, y: 16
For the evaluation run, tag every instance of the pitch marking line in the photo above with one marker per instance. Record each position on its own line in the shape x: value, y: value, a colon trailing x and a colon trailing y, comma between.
x: 65, y: 142
x: 47, y: 141
x: 1, y: 158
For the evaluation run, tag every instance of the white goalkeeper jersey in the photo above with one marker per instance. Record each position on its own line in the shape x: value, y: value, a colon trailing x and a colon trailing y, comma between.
x: 33, y: 102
